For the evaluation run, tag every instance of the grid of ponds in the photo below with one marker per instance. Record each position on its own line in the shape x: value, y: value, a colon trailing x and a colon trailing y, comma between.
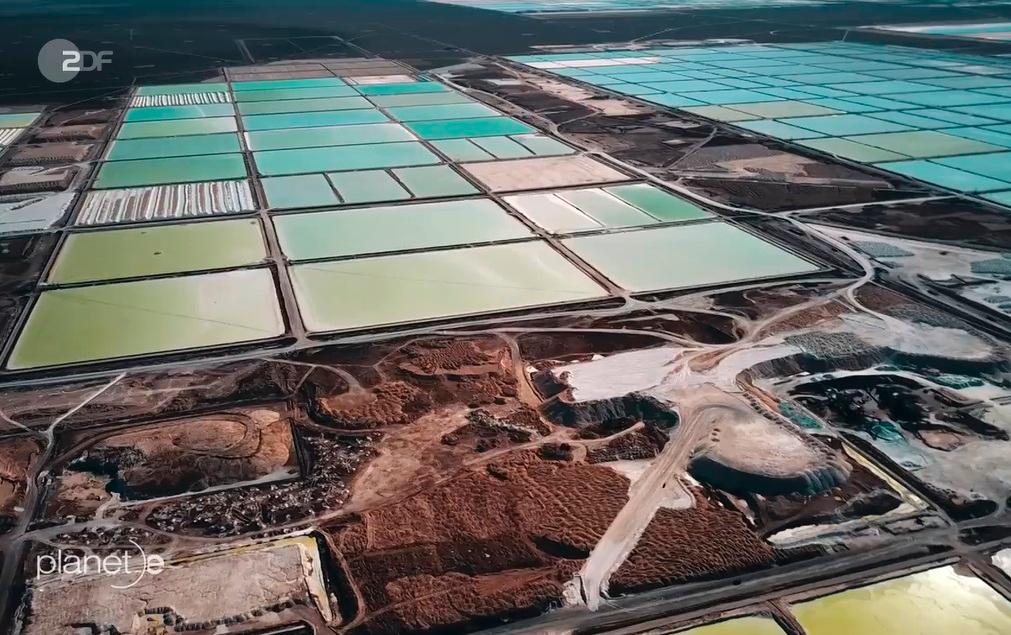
x: 230, y: 213
x: 939, y: 117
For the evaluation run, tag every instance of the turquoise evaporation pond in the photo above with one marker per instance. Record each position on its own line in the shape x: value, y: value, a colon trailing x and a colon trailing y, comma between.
x: 18, y: 120
x: 420, y: 99
x: 215, y: 167
x: 303, y: 105
x: 295, y: 93
x: 504, y: 147
x: 152, y: 148
x: 327, y: 136
x: 402, y: 89
x: 677, y: 257
x: 375, y: 230
x: 337, y: 159
x: 279, y: 84
x: 365, y: 186
x: 312, y: 119
x: 778, y: 91
x: 165, y: 113
x: 457, y: 128
x: 571, y: 211
x: 177, y: 127
x: 445, y: 111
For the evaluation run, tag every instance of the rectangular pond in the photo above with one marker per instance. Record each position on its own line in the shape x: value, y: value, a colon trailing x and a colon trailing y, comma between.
x: 387, y: 290
x: 161, y: 249
x: 372, y: 230
x: 685, y: 256
x: 126, y: 319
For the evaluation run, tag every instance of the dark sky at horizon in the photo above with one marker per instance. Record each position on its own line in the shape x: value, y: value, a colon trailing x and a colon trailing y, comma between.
x: 183, y: 40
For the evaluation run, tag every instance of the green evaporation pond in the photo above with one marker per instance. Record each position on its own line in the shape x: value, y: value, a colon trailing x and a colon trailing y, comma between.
x: 312, y: 119
x: 304, y: 190
x: 146, y: 251
x: 196, y: 111
x: 851, y: 150
x: 214, y: 167
x: 303, y: 105
x: 542, y: 145
x: 368, y: 186
x: 295, y: 93
x: 177, y: 128
x: 396, y: 228
x: 685, y: 256
x: 367, y: 292
x: 606, y: 209
x: 336, y: 159
x: 327, y: 136
x: 461, y: 150
x: 447, y: 111
x: 924, y: 143
x: 182, y: 89
x: 127, y: 319
x: 501, y: 147
x: 456, y: 128
x: 935, y: 602
x: 740, y: 626
x: 153, y: 148
x: 402, y: 89
x: 18, y: 120
x: 434, y: 181
x: 659, y: 204
x: 276, y: 84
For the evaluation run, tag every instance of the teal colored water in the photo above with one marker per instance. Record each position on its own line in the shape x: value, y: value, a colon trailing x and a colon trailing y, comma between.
x: 337, y: 159
x: 177, y: 128
x: 312, y: 119
x: 327, y: 136
x: 945, y: 107
x: 124, y: 149
x: 396, y: 228
x: 456, y: 128
x: 216, y: 167
x: 163, y: 113
x: 402, y: 89
x: 279, y: 84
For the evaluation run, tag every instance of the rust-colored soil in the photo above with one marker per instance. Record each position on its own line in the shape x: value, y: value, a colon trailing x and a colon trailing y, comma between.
x: 704, y: 541
x: 493, y: 543
x: 412, y: 381
x: 631, y: 446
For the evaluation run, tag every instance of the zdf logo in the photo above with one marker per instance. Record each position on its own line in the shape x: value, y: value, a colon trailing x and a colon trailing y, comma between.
x: 60, y: 60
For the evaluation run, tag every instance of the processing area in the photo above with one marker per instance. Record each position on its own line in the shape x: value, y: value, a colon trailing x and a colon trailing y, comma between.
x: 456, y: 317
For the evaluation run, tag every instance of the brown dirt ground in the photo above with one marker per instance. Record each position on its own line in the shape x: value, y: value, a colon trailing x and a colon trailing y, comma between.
x: 702, y: 542
x: 493, y: 543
